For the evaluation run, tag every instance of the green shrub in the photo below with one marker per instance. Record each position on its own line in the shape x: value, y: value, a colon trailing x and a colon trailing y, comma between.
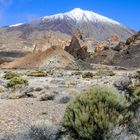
x: 105, y: 73
x: 137, y: 74
x: 87, y: 75
x: 17, y: 81
x: 137, y: 95
x: 94, y: 112
x: 9, y: 75
x: 77, y: 73
x: 37, y: 73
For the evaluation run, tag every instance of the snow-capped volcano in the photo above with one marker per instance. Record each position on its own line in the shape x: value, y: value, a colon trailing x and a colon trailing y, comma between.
x: 61, y: 27
x: 80, y: 15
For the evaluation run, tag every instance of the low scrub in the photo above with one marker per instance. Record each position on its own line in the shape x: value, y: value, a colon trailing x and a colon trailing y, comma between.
x: 137, y: 74
x: 93, y: 113
x: 88, y: 75
x: 37, y: 73
x: 136, y: 95
x: 43, y: 130
x: 105, y: 73
x: 9, y: 75
x: 17, y: 82
x: 77, y: 73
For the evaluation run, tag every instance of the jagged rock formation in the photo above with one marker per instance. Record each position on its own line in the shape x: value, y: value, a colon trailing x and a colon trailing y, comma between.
x: 76, y: 50
x: 126, y: 54
x: 130, y: 57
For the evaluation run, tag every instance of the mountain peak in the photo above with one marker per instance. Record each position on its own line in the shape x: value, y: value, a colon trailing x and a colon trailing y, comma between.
x: 84, y: 15
x: 77, y: 10
x: 80, y: 15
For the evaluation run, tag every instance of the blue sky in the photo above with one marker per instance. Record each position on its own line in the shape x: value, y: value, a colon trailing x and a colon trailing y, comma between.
x: 126, y: 12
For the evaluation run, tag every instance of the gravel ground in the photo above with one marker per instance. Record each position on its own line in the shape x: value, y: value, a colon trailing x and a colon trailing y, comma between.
x: 16, y: 115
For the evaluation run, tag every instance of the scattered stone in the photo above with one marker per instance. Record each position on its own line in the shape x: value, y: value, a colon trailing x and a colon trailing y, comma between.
x: 38, y: 89
x: 123, y: 82
x: 16, y: 95
x: 46, y: 96
x: 63, y: 99
x: 2, y: 88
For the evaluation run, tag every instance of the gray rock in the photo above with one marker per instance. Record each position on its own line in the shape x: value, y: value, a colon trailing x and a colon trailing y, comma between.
x: 2, y: 82
x: 28, y: 90
x: 63, y: 99
x: 123, y: 82
x: 16, y: 95
x: 57, y: 81
x: 46, y: 96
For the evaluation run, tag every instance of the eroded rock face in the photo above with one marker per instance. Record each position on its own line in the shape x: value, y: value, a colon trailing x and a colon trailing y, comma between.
x: 120, y: 46
x: 134, y: 40
x: 76, y: 50
x: 126, y: 54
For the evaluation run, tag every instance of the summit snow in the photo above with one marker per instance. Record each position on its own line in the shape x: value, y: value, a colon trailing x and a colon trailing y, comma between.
x: 80, y: 15
x: 92, y: 25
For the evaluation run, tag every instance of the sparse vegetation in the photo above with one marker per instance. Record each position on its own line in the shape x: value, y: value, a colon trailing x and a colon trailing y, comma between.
x: 77, y: 73
x: 43, y: 130
x: 137, y: 95
x: 105, y: 73
x: 88, y: 75
x: 17, y: 81
x: 37, y: 73
x: 9, y: 75
x: 137, y: 74
x: 94, y: 112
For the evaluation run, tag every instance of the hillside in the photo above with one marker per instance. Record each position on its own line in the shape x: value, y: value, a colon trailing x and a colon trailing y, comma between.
x: 50, y: 58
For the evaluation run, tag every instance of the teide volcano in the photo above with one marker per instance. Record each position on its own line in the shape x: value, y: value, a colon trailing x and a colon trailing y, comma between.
x: 91, y: 24
x: 62, y: 27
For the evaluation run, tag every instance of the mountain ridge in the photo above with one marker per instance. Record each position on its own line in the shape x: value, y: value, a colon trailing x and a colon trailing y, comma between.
x: 58, y: 32
x: 78, y: 18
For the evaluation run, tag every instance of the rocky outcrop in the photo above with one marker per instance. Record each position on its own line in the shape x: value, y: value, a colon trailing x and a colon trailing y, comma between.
x: 76, y: 50
x: 126, y: 54
x: 134, y: 40
x: 120, y: 46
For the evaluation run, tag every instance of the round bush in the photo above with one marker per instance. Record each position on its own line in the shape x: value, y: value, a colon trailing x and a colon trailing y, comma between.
x: 94, y: 112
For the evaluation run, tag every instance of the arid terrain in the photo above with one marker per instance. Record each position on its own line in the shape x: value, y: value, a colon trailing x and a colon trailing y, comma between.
x: 48, y: 68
